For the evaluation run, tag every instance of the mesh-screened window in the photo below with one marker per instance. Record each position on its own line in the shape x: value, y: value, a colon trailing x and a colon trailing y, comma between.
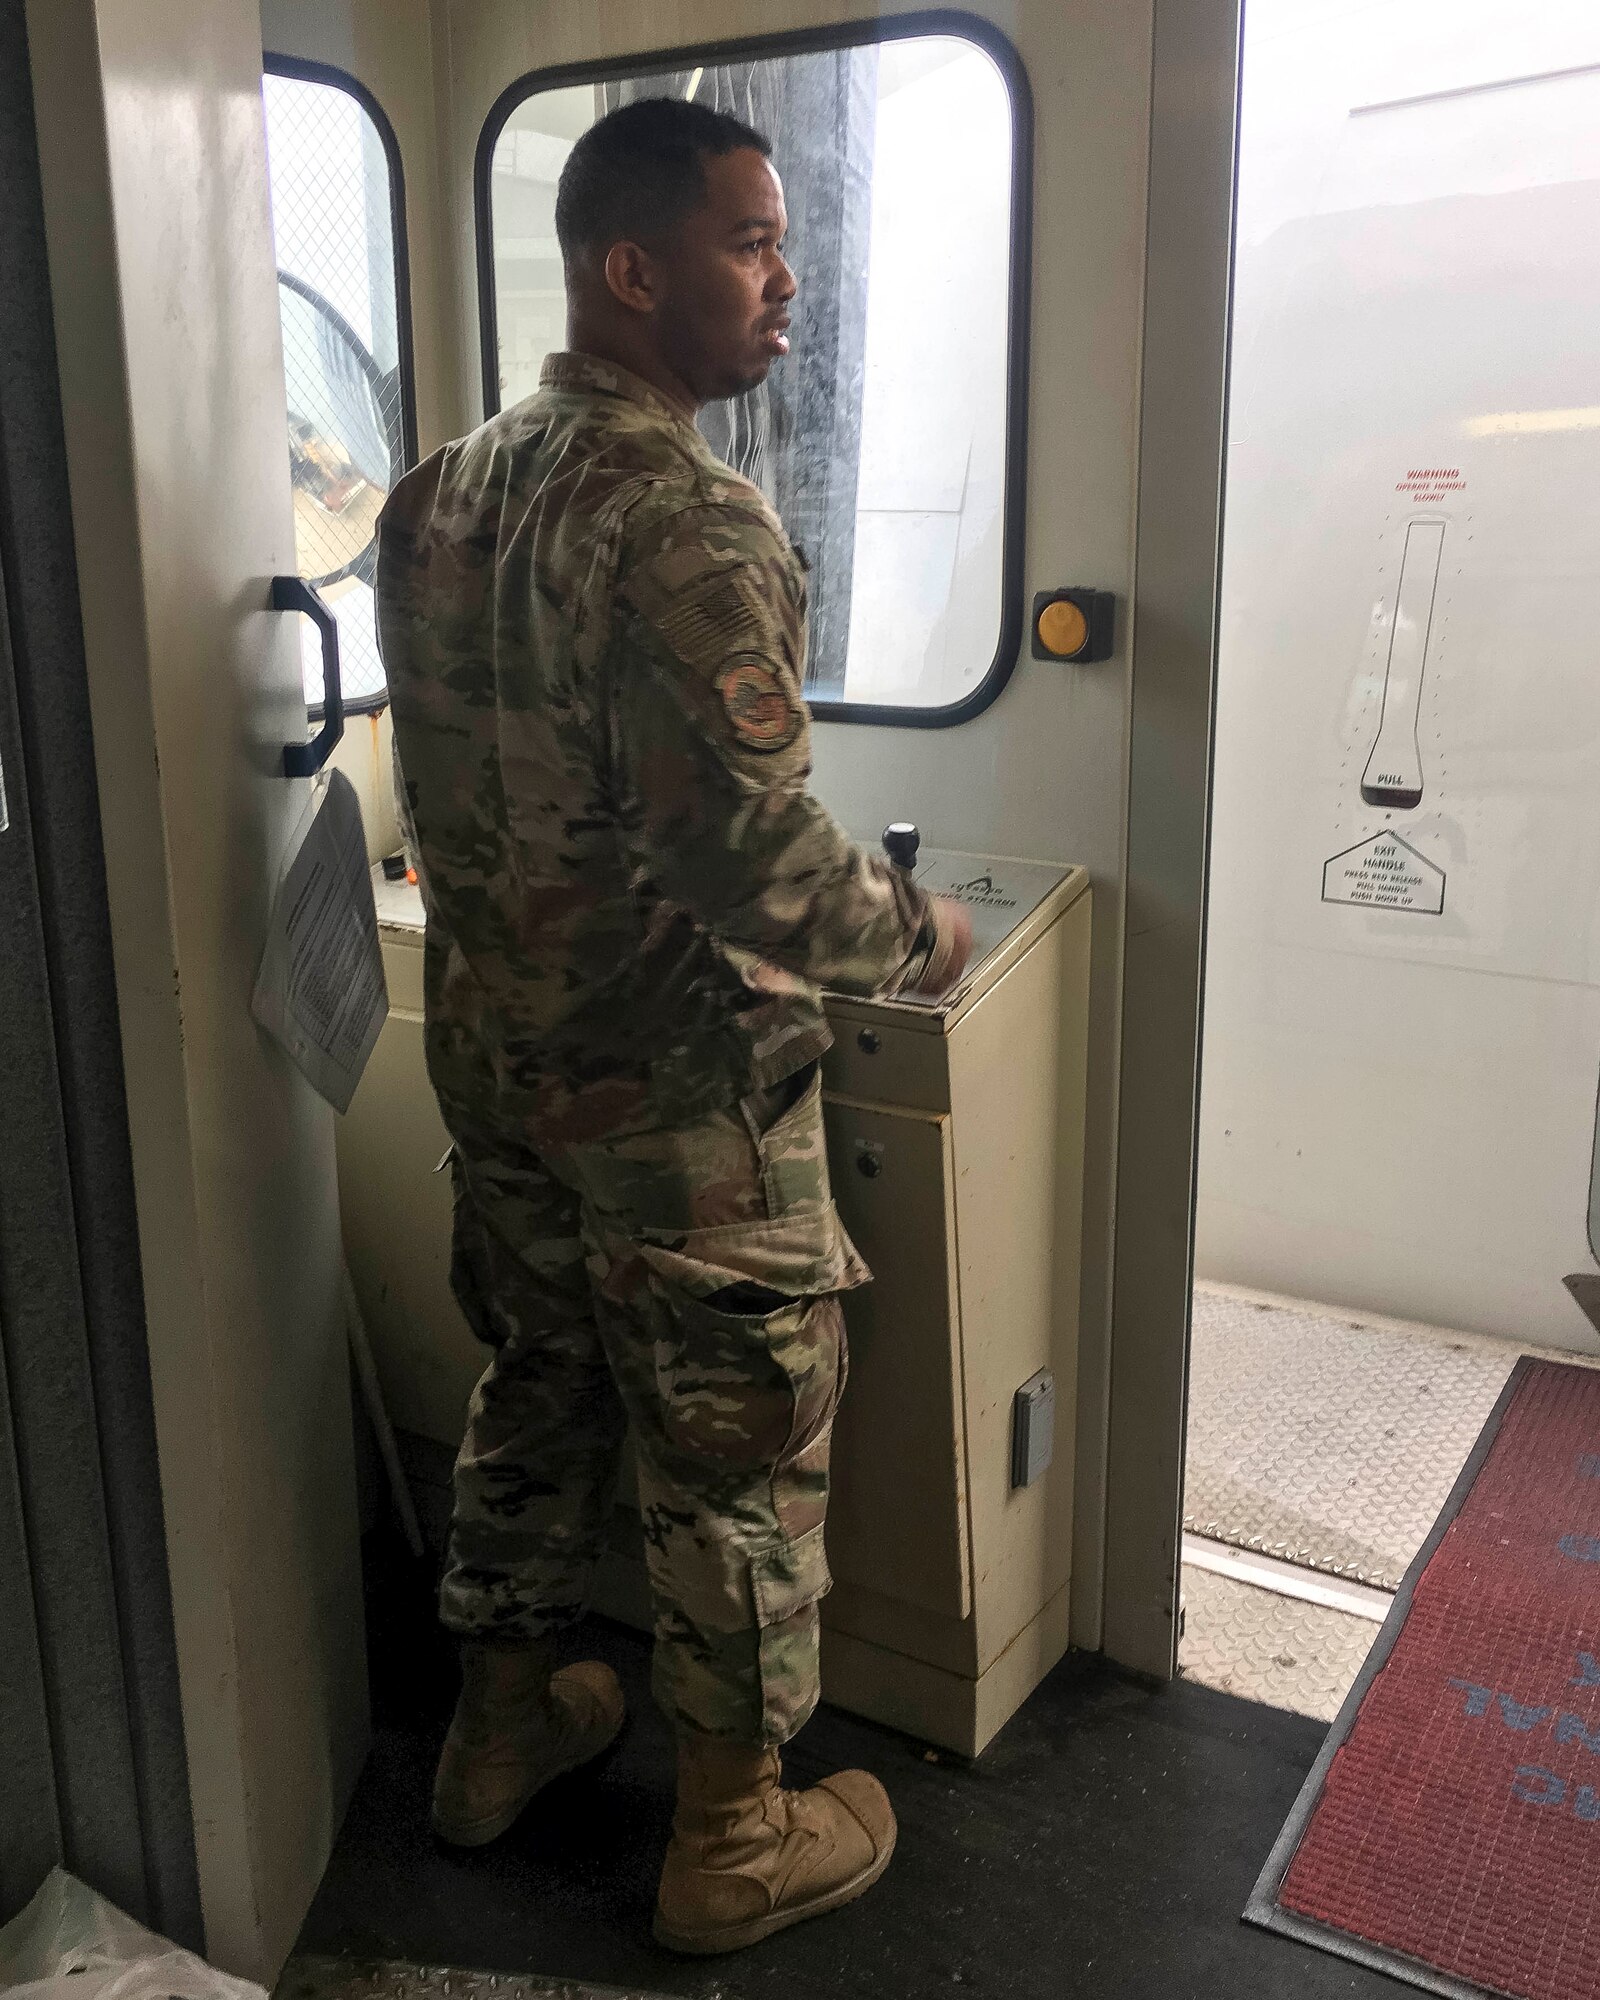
x: 890, y: 437
x: 336, y: 227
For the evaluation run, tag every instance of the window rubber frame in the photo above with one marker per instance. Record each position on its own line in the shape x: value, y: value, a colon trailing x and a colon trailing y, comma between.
x: 951, y: 22
x: 299, y: 69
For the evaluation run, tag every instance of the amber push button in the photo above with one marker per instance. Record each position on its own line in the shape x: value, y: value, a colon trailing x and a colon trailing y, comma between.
x: 1073, y: 624
x: 1063, y: 629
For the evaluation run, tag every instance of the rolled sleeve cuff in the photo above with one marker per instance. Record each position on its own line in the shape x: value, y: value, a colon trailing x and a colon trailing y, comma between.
x: 929, y: 962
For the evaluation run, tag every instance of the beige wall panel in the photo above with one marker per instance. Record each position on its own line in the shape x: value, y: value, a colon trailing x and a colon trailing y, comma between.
x: 1008, y: 1681
x: 898, y: 1627
x: 154, y: 171
x: 925, y: 1701
x: 396, y: 1210
x: 897, y: 1512
x: 1018, y: 1070
x: 913, y: 1696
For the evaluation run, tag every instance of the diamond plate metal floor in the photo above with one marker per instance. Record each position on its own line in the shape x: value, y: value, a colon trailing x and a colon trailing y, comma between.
x: 1324, y: 1440
x: 1265, y: 1647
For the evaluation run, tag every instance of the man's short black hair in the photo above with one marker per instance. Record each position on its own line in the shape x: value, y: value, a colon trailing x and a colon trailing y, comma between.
x: 637, y: 172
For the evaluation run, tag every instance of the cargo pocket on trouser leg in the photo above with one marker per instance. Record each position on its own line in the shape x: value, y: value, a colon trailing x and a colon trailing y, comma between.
x: 787, y: 1583
x: 746, y: 1357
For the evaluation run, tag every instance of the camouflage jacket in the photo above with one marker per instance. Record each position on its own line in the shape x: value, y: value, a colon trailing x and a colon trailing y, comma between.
x: 594, y: 635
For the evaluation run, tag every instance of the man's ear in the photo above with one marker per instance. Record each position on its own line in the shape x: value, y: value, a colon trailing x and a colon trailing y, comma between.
x: 631, y: 277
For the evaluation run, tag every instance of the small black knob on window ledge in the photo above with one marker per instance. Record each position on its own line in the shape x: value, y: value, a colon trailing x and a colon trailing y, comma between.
x: 900, y: 842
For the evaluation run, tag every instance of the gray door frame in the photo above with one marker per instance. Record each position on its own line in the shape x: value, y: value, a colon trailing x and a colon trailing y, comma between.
x: 91, y: 1731
x: 1182, y: 429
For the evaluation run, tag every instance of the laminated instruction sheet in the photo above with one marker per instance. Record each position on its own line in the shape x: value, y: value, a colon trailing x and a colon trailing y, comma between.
x: 320, y: 991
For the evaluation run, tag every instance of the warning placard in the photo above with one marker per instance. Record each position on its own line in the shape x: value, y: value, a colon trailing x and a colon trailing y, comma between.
x: 1385, y: 873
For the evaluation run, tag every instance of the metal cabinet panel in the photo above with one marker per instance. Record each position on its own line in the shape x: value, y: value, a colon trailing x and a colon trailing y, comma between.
x: 897, y: 1515
x: 874, y: 1059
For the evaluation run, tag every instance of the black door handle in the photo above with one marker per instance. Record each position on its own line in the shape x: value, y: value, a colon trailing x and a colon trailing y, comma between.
x: 304, y: 760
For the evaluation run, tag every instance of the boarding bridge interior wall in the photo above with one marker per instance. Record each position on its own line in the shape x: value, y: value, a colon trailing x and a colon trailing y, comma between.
x: 1402, y: 1017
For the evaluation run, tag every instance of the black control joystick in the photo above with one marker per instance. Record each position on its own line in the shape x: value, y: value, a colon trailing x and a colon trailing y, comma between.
x: 900, y: 842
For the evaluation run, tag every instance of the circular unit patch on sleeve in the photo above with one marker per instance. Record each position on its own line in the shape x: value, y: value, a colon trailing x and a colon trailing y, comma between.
x: 763, y: 712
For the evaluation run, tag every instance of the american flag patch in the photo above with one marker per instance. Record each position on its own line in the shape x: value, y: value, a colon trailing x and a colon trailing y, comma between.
x: 719, y: 621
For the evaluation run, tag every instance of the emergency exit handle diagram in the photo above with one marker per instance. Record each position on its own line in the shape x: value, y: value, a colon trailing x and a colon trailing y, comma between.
x: 1393, y: 776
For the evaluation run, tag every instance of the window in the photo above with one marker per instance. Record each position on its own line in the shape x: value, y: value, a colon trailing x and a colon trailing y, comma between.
x: 338, y: 234
x: 890, y: 438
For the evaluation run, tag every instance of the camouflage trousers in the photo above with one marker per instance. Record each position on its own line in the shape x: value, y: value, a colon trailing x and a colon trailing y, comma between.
x: 684, y: 1282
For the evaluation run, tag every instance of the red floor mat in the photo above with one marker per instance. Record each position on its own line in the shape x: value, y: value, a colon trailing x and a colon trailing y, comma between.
x: 1450, y: 1832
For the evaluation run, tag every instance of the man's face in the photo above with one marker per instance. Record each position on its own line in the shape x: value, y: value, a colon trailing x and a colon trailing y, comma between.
x: 722, y: 306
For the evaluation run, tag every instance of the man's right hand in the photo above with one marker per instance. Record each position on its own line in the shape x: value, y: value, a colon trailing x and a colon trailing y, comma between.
x: 953, y: 922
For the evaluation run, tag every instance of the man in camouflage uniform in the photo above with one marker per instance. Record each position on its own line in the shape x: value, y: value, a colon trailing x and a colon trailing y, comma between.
x: 594, y: 634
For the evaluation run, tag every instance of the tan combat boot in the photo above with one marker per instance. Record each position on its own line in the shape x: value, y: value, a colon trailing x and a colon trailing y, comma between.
x: 516, y: 1727
x: 748, y: 1859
